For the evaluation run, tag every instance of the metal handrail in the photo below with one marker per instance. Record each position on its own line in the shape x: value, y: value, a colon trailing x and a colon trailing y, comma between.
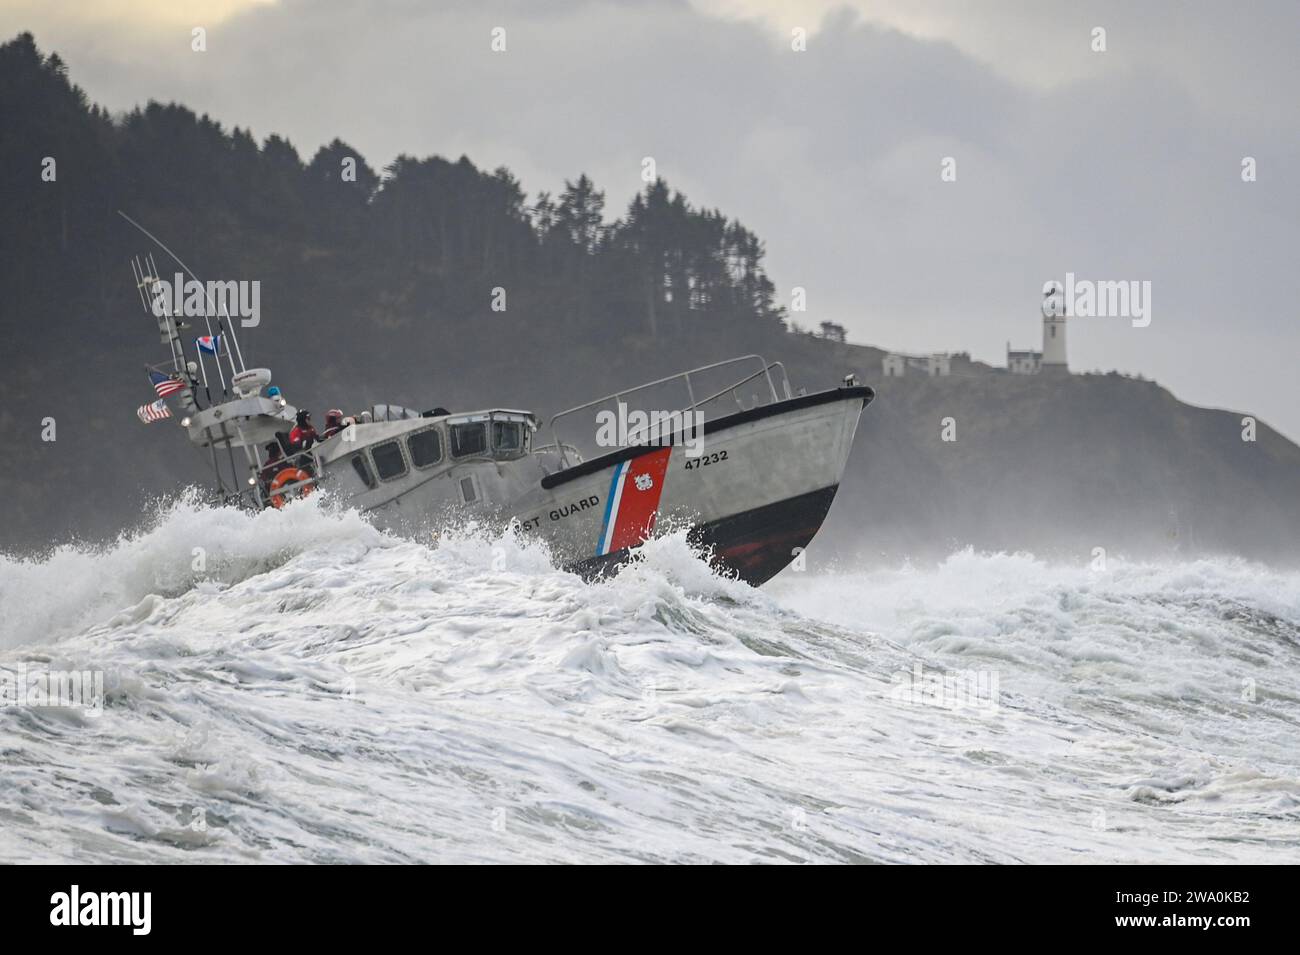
x: 618, y: 396
x: 785, y: 378
x: 547, y: 448
x: 561, y: 454
x: 731, y: 388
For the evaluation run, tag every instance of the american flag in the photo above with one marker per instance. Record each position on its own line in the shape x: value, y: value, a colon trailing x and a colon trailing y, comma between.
x: 165, y: 384
x: 154, y: 412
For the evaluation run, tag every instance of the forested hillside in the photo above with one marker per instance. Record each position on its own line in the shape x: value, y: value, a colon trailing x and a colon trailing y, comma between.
x: 379, y: 286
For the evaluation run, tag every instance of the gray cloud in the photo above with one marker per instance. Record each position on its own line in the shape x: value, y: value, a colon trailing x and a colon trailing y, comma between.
x: 1123, y: 166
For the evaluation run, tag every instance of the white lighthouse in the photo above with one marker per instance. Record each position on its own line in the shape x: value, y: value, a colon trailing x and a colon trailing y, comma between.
x: 1054, y: 360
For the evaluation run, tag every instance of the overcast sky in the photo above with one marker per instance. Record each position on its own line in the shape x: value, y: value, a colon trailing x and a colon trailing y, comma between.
x: 1116, y: 165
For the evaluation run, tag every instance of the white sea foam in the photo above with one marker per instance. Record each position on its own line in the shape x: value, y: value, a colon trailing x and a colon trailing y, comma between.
x: 322, y: 692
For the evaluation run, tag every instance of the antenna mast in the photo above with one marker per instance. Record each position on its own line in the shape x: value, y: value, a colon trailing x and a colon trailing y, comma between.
x: 221, y: 325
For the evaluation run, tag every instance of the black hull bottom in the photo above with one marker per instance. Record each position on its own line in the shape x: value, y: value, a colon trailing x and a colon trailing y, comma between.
x: 755, y: 545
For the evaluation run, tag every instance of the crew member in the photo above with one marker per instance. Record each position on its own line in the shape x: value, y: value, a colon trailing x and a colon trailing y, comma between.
x: 333, y: 423
x: 303, y: 436
x: 274, y: 462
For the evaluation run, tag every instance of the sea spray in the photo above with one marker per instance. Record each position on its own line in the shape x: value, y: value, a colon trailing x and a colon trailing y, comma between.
x: 327, y: 693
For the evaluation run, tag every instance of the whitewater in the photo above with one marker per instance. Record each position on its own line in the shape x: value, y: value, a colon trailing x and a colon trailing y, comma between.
x: 295, y: 686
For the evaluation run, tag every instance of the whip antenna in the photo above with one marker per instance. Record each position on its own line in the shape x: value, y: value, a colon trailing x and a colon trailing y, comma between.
x: 212, y: 305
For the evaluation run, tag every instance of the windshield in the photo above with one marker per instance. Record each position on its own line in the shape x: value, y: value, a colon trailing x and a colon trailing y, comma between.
x: 507, y: 436
x: 468, y: 439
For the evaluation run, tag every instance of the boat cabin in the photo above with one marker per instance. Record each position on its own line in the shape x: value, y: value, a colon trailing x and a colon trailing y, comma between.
x: 417, y: 461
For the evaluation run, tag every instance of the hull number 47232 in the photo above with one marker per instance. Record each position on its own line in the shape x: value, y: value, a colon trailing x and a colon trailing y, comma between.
x: 705, y: 460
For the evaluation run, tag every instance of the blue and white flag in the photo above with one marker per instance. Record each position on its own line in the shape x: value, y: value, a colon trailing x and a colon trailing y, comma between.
x: 209, y: 343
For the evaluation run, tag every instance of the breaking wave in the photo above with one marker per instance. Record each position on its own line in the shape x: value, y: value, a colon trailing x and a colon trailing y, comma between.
x: 297, y: 686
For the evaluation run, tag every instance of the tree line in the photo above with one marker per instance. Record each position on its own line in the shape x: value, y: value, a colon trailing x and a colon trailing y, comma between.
x: 422, y: 240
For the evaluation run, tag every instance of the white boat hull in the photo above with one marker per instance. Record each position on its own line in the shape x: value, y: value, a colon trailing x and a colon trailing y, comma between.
x: 755, y: 495
x: 755, y: 491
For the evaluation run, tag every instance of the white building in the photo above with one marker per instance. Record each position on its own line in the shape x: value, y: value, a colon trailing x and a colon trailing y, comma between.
x: 1023, y: 362
x: 894, y: 364
x: 1052, y: 359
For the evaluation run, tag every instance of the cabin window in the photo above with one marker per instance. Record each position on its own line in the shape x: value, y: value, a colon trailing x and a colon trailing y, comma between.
x: 425, y: 448
x: 363, y: 470
x: 467, y: 490
x: 506, y: 436
x: 467, y: 439
x: 388, y: 460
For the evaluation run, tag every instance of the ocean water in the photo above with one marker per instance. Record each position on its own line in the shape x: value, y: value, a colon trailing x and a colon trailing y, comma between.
x: 295, y: 686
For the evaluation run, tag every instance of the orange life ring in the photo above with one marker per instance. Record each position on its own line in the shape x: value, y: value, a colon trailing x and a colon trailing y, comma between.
x: 289, y: 476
